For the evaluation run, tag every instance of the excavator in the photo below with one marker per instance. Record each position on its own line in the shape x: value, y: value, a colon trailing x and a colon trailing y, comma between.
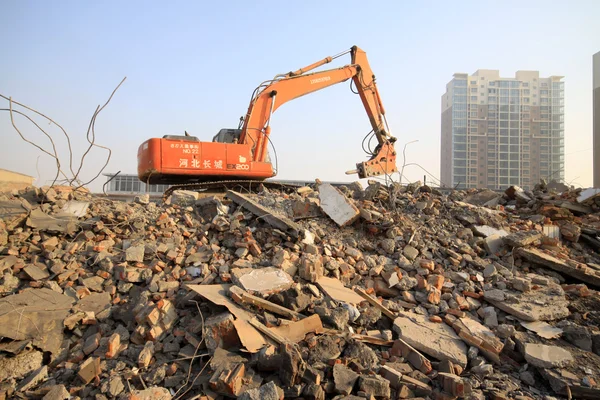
x: 242, y: 153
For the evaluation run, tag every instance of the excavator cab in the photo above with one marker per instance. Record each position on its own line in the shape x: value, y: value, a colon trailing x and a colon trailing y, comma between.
x: 228, y: 136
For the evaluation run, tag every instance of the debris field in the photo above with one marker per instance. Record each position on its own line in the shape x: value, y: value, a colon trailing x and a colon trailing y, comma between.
x: 383, y: 292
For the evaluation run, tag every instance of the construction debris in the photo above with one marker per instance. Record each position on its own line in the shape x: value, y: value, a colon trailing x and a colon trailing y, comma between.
x: 386, y: 292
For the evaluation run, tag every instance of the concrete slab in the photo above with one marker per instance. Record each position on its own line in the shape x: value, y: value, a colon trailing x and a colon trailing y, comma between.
x: 545, y: 304
x: 543, y: 356
x: 337, y: 206
x: 437, y: 340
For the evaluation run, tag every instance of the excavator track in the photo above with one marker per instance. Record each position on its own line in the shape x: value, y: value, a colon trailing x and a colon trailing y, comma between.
x: 250, y: 186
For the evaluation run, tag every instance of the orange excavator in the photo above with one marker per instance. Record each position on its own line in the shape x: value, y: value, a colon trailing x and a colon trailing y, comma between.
x: 238, y: 154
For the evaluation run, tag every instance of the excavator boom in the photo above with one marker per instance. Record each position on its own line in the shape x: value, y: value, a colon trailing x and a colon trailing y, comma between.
x: 243, y: 153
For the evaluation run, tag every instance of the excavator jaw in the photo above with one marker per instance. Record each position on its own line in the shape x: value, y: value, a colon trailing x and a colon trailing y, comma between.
x: 384, y: 163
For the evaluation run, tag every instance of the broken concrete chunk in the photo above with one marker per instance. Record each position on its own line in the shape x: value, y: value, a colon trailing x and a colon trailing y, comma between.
x: 268, y: 391
x: 57, y: 392
x: 543, y: 356
x: 521, y: 239
x: 337, y: 206
x: 276, y: 221
x: 135, y: 253
x: 437, y: 340
x: 39, y: 310
x: 545, y: 304
x: 219, y: 331
x: 89, y: 369
x: 375, y: 386
x: 266, y: 281
x: 543, y: 329
x: 20, y: 366
x: 581, y: 272
x: 184, y: 198
x: 34, y: 379
x: 344, y: 379
x: 486, y: 231
x: 153, y: 393
x: 588, y: 195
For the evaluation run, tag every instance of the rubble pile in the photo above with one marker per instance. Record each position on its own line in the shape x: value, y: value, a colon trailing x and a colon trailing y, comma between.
x: 386, y: 292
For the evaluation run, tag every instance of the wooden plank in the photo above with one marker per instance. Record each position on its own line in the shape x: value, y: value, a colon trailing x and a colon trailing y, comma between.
x: 247, y: 298
x: 268, y: 332
x: 375, y: 303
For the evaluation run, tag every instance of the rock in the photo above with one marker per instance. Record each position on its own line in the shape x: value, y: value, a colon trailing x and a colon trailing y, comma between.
x: 489, y: 271
x: 527, y: 377
x: 219, y: 332
x: 57, y: 392
x: 374, y: 386
x: 486, y: 196
x: 344, y: 379
x: 410, y: 252
x: 543, y: 356
x: 115, y: 386
x: 336, y: 317
x: 505, y: 331
x: 570, y: 231
x: 437, y: 340
x: 313, y: 392
x: 523, y: 238
x: 292, y: 365
x: 490, y: 317
x: 91, y: 343
x: 337, y: 206
x: 268, y: 391
x: 35, y: 378
x: 388, y: 245
x: 353, y: 312
x: 135, y: 254
x: 143, y: 199
x: 483, y: 370
x: 406, y: 283
x: 184, y: 198
x: 20, y: 365
x: 579, y: 336
x: 362, y: 353
x: 89, y: 369
x: 494, y: 294
x: 485, y: 231
x: 521, y: 284
x: 311, y: 268
x: 153, y: 393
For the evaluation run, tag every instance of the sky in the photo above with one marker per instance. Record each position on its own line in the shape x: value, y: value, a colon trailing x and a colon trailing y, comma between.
x: 192, y: 66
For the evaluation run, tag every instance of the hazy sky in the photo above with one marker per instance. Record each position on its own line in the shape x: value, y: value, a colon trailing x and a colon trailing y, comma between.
x: 193, y: 66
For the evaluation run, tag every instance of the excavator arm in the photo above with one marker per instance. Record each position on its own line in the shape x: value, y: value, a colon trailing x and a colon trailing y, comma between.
x: 285, y: 87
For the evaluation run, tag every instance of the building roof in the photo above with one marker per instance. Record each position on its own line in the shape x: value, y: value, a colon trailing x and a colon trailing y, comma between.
x: 14, y: 172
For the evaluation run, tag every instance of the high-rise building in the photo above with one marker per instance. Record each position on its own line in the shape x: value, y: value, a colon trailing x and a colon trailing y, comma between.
x: 596, y: 126
x: 498, y: 132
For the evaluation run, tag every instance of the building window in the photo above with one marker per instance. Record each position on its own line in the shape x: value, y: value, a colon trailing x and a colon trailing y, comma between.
x: 473, y: 98
x: 474, y: 90
x: 473, y: 82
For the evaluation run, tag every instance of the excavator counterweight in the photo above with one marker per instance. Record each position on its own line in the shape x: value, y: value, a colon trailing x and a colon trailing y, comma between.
x: 243, y: 153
